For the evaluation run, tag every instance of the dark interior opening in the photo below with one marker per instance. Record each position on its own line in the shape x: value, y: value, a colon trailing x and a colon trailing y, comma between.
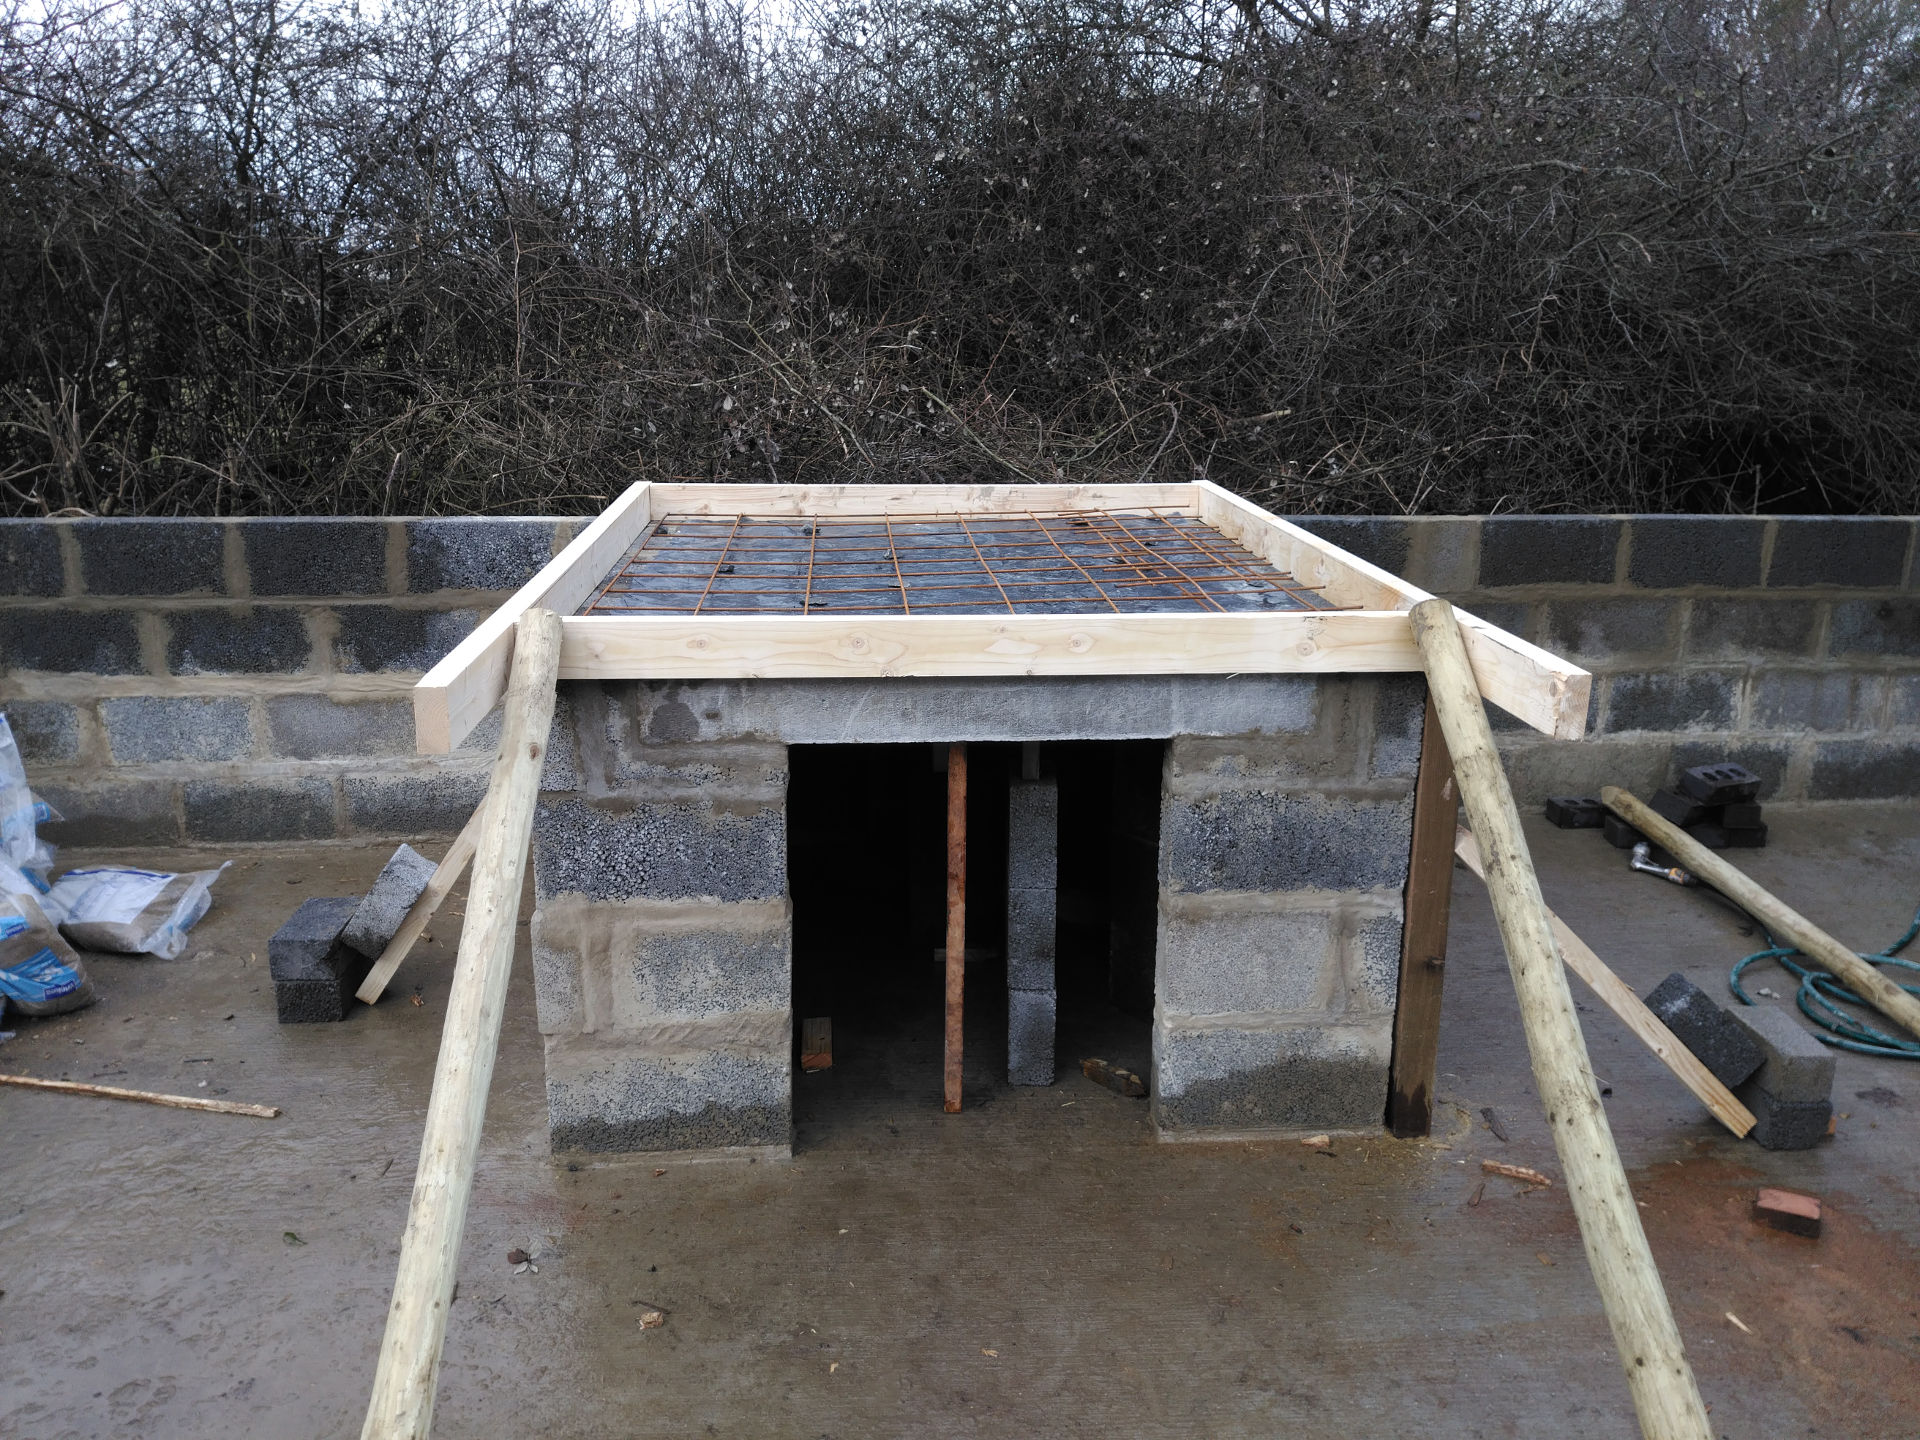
x: 866, y: 867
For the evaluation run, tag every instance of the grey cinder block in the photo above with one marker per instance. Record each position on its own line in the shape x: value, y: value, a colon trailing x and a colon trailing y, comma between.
x: 1030, y: 1028
x: 142, y: 729
x: 316, y: 557
x: 252, y: 811
x: 1668, y: 551
x: 461, y: 553
x: 377, y: 920
x: 47, y: 731
x: 314, y: 976
x: 91, y: 642
x: 1665, y: 700
x: 1733, y: 628
x: 246, y: 640
x: 1842, y: 550
x: 1717, y: 1041
x: 414, y: 804
x: 382, y: 638
x: 1785, y: 1124
x: 1876, y: 627
x: 1547, y: 550
x: 317, y: 727
x: 152, y: 557
x: 1864, y: 770
x: 1795, y: 1066
x: 30, y: 559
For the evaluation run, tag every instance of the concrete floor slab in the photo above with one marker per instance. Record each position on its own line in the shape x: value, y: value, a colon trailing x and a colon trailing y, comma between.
x: 1036, y: 1266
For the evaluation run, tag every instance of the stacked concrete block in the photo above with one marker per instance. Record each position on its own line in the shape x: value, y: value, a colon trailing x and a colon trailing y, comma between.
x: 1282, y: 862
x: 1033, y: 838
x: 662, y: 938
x: 1791, y: 1093
x: 402, y: 880
x: 314, y: 975
x: 1717, y: 1040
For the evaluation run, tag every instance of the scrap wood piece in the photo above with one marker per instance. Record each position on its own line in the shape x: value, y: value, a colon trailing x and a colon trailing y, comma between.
x: 1516, y: 1172
x: 150, y: 1097
x: 1780, y: 920
x: 445, y: 876
x: 1789, y: 1211
x: 1618, y: 997
x: 1121, y: 1082
x: 1666, y: 1398
x: 816, y: 1043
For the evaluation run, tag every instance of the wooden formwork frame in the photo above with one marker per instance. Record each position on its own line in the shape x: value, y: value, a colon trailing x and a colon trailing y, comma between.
x: 1539, y: 688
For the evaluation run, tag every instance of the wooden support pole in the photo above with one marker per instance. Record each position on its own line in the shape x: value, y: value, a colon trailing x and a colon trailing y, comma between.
x: 1782, y: 922
x: 1618, y: 997
x: 1665, y: 1397
x: 445, y: 876
x: 1423, y: 936
x: 150, y: 1097
x: 956, y: 920
x: 404, y: 1384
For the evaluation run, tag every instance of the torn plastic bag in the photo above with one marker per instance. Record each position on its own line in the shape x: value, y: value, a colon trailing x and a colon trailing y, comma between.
x: 39, y: 973
x: 132, y: 912
x: 21, y: 811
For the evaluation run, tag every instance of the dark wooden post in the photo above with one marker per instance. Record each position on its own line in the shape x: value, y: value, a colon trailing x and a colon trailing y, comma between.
x: 956, y: 918
x: 1423, y: 936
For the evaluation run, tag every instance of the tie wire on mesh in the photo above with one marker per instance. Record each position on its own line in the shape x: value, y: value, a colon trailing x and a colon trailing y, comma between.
x: 917, y: 564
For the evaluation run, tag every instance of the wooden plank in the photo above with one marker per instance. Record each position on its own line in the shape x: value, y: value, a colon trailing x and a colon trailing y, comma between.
x: 956, y: 925
x: 610, y: 647
x: 1618, y: 997
x: 1423, y: 937
x: 147, y: 1097
x: 1781, y: 921
x: 457, y: 694
x: 1529, y: 683
x: 1665, y: 1397
x: 445, y: 876
x: 916, y: 499
x: 816, y: 1043
x: 409, y: 1366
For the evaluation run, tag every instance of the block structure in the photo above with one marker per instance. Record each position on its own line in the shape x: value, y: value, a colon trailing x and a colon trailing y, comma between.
x: 1283, y: 860
x: 1033, y: 839
x: 662, y: 937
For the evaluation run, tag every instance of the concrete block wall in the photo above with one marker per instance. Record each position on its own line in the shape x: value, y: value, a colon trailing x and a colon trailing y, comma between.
x: 1033, y: 875
x: 662, y: 937
x: 1282, y: 862
x: 1789, y: 644
x: 233, y: 681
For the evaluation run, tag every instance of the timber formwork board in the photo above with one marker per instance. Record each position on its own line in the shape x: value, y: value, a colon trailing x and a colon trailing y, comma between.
x: 876, y: 581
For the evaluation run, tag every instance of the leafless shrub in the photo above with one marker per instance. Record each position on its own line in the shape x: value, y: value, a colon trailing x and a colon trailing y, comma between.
x: 489, y: 256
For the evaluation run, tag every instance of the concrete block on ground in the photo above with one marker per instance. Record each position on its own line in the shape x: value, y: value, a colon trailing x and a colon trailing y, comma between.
x: 614, y: 1098
x: 1795, y: 1067
x: 1785, y: 1124
x: 142, y: 729
x: 256, y: 811
x: 314, y: 975
x: 1717, y: 1040
x: 90, y: 642
x: 242, y: 640
x: 1332, y: 1077
x: 316, y: 556
x: 1031, y: 1016
x: 401, y: 881
x: 152, y: 557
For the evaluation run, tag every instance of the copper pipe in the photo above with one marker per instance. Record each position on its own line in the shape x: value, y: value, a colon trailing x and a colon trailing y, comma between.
x: 956, y: 917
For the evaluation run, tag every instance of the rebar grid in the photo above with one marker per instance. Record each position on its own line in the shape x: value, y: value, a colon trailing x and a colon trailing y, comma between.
x: 1138, y: 561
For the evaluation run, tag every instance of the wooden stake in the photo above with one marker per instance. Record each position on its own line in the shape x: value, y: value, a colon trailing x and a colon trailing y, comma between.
x: 956, y: 919
x: 1665, y: 1396
x: 1423, y: 938
x: 446, y: 875
x: 150, y: 1097
x: 1633, y: 1012
x: 403, y: 1386
x: 1781, y: 921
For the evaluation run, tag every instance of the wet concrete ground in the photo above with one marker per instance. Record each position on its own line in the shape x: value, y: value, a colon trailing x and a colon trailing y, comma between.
x: 1036, y: 1266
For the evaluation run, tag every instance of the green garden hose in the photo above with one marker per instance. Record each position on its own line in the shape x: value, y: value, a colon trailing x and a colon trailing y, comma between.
x: 1821, y: 996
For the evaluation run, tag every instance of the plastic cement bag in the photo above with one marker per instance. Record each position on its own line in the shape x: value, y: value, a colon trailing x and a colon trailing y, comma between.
x: 20, y: 812
x: 132, y: 912
x: 39, y: 973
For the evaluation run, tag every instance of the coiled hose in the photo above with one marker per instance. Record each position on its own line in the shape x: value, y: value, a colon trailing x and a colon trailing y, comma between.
x: 1821, y: 996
